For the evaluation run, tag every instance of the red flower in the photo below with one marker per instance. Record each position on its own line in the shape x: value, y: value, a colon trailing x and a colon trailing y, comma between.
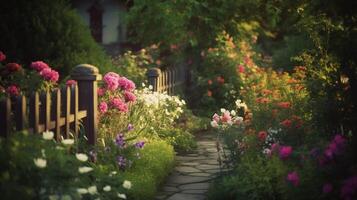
x: 241, y: 69
x: 13, y: 90
x: 287, y: 123
x: 209, y: 93
x: 13, y: 67
x: 209, y: 82
x: 262, y: 100
x: 220, y: 79
x: 2, y: 56
x: 284, y: 104
x: 49, y: 75
x: 262, y: 135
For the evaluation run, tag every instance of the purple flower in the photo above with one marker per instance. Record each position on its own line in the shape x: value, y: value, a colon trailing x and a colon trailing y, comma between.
x: 327, y: 188
x: 119, y: 140
x: 140, y: 145
x: 130, y: 127
x: 93, y: 156
x: 121, y: 161
x: 349, y: 188
x: 293, y: 178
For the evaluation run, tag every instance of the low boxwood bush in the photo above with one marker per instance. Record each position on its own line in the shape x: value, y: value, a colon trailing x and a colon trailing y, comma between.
x: 155, y: 164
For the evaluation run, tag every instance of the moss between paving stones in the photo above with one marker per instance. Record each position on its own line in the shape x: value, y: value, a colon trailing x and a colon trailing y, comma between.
x: 157, y: 160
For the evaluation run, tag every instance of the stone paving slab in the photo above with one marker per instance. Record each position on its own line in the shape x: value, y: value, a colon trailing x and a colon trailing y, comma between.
x: 193, y: 173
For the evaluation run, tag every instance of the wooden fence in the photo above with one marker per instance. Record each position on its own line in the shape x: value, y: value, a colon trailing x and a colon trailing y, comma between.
x: 61, y: 111
x: 170, y: 80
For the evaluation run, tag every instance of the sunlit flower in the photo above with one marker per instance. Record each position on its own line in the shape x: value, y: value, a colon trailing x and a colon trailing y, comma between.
x: 47, y: 135
x: 214, y: 124
x: 85, y: 169
x: 92, y: 190
x: 81, y: 157
x: 107, y: 188
x: 40, y: 163
x: 122, y: 196
x: 68, y: 141
x: 127, y: 184
x: 82, y: 190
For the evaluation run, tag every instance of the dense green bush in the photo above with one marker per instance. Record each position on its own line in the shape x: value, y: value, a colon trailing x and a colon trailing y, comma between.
x: 51, y: 31
x: 150, y: 171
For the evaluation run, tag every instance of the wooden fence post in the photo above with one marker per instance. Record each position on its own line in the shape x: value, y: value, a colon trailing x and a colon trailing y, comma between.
x: 87, y: 76
x: 153, y: 78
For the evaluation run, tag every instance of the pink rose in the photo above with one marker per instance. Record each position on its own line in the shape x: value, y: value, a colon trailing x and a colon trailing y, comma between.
x: 39, y: 65
x: 111, y: 80
x: 216, y: 117
x: 129, y: 96
x: 2, y: 56
x: 101, y: 91
x: 126, y: 84
x: 49, y: 75
x: 71, y: 82
x: 293, y: 178
x: 13, y: 90
x: 285, y: 152
x: 103, y: 107
x: 119, y: 104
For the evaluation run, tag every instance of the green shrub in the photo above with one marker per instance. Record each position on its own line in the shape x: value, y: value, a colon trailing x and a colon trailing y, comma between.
x: 50, y: 31
x: 155, y: 164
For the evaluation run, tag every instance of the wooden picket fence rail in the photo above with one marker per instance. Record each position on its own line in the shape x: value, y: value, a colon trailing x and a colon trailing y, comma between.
x: 170, y: 80
x: 61, y: 111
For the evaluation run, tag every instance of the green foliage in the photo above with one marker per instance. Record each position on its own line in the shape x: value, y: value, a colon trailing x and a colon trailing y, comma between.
x: 60, y: 177
x: 149, y: 172
x: 51, y: 31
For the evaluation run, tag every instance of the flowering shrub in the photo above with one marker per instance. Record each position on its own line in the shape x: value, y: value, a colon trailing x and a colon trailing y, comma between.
x: 39, y: 168
x: 280, y: 152
x: 16, y: 80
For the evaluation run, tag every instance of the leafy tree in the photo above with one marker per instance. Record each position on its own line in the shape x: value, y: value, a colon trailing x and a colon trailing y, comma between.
x: 49, y: 31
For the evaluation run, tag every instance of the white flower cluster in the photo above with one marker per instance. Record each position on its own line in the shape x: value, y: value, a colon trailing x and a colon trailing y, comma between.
x: 173, y: 106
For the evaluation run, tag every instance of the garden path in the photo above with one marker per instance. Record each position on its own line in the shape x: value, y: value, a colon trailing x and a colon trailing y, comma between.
x: 193, y: 173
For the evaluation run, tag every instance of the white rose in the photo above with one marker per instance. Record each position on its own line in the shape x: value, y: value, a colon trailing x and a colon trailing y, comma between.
x: 40, y: 163
x: 127, y: 184
x: 81, y: 157
x: 68, y: 141
x: 92, y: 190
x: 82, y: 190
x: 122, y: 196
x: 107, y: 188
x: 47, y: 135
x: 83, y: 170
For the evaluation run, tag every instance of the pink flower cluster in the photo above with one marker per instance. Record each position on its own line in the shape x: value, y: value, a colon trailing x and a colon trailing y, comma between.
x: 126, y: 84
x: 285, y: 152
x: 103, y: 107
x: 111, y: 80
x: 225, y: 119
x: 71, y: 82
x: 129, y: 97
x: 335, y: 147
x: 119, y: 104
x: 49, y: 75
x: 293, y: 178
x: 13, y: 90
x: 2, y: 56
x: 45, y: 71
